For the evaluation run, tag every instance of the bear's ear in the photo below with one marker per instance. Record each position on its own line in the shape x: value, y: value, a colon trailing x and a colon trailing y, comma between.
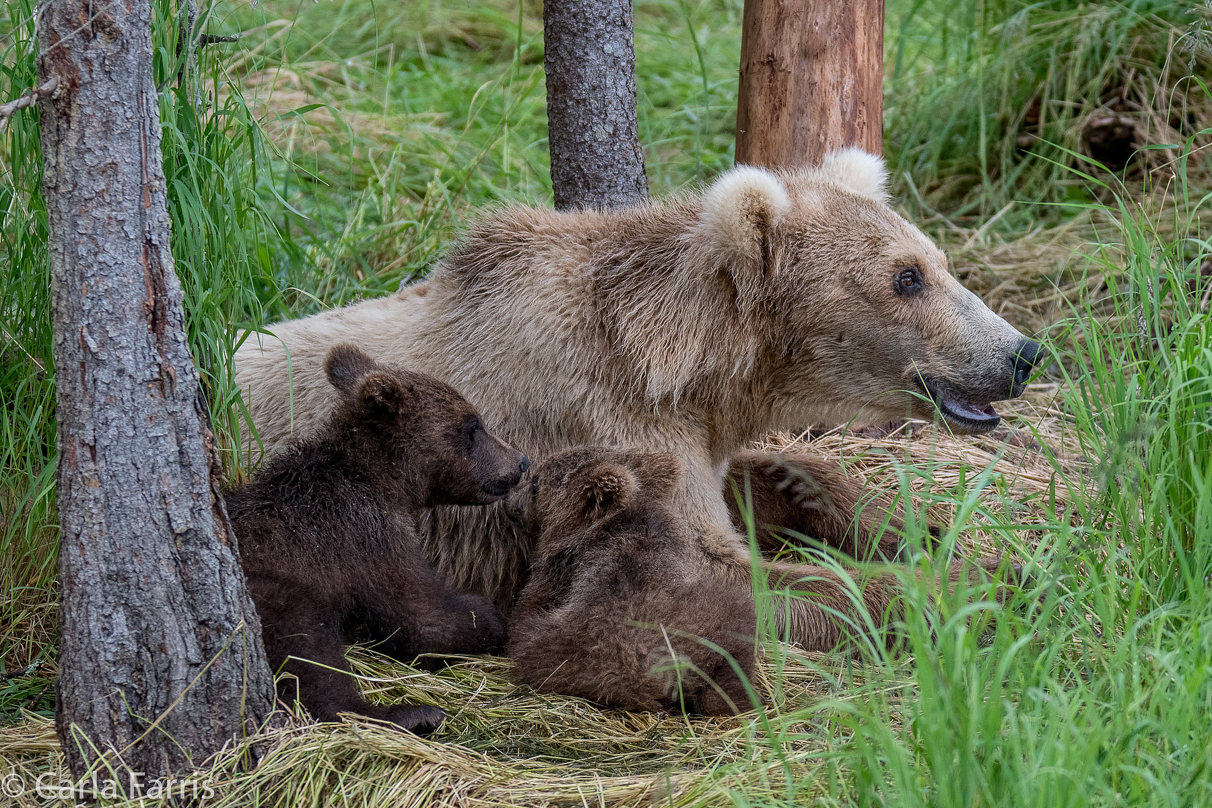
x: 346, y: 365
x: 606, y: 488
x: 860, y: 171
x: 382, y: 393
x: 740, y: 212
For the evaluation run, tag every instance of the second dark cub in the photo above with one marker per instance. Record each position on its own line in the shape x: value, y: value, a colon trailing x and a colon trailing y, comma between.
x: 615, y: 610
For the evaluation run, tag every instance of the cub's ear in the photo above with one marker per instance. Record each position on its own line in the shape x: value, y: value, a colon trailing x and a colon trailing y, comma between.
x: 740, y: 212
x: 346, y: 365
x: 383, y: 393
x: 606, y: 488
x: 860, y: 171
x: 658, y: 473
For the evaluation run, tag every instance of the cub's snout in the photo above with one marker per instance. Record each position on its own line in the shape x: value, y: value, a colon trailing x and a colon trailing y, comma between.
x: 514, y: 465
x: 497, y: 466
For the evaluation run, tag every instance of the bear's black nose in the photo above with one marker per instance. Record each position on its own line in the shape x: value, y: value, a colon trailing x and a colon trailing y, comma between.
x: 524, y: 466
x: 1025, y: 359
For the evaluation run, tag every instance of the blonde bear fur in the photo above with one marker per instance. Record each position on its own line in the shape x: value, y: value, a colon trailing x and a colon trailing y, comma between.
x: 692, y: 326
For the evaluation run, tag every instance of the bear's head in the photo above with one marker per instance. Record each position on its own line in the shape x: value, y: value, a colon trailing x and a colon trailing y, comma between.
x: 586, y: 487
x: 423, y: 429
x: 847, y: 309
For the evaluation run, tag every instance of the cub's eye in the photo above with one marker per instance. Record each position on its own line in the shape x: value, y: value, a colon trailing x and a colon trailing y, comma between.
x: 469, y: 436
x: 908, y: 281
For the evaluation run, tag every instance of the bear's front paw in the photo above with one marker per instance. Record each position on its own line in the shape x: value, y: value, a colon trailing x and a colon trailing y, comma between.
x: 418, y: 719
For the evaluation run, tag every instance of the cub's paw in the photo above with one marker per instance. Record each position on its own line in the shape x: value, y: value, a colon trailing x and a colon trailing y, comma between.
x: 418, y: 719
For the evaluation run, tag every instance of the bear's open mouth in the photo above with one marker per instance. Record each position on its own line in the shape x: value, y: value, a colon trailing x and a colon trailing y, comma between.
x: 966, y: 414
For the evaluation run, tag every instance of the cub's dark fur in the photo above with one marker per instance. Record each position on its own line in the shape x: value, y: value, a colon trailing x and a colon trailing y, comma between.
x: 616, y: 609
x: 329, y: 543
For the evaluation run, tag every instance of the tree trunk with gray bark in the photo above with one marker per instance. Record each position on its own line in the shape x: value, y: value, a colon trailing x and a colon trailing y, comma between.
x: 160, y: 655
x: 596, y: 159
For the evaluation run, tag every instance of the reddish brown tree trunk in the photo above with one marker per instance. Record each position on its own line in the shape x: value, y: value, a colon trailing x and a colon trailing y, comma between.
x: 811, y: 80
x: 160, y: 657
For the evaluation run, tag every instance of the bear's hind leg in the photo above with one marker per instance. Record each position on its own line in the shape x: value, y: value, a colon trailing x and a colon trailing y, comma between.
x: 304, y: 638
x: 725, y: 694
x: 820, y: 608
x: 412, y: 612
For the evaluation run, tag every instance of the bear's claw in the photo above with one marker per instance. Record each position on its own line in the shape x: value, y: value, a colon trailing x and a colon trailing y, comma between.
x: 418, y: 719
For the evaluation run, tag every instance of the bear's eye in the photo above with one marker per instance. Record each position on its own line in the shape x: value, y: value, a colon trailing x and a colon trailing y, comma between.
x: 908, y: 281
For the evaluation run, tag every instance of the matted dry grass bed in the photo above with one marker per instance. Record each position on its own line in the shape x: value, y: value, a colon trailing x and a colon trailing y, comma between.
x: 502, y: 745
x: 505, y: 745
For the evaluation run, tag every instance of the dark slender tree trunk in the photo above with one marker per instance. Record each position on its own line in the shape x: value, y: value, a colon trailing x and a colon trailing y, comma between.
x: 812, y: 76
x: 160, y: 656
x: 596, y: 159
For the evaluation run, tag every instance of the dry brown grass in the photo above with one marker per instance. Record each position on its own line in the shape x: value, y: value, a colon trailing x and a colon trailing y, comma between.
x: 502, y: 745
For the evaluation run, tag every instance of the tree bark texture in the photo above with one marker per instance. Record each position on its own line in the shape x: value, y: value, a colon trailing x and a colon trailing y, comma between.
x: 811, y: 80
x: 596, y: 158
x: 160, y: 655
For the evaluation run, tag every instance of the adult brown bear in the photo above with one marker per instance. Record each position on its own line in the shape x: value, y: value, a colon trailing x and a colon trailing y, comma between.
x: 771, y: 301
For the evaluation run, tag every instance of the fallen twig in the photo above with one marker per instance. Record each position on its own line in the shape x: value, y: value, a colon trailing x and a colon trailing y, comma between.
x: 29, y: 705
x: 215, y: 39
x: 28, y: 671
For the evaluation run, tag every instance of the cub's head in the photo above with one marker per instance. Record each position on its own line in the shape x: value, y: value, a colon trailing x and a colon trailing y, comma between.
x: 420, y: 425
x: 582, y: 487
x: 853, y: 310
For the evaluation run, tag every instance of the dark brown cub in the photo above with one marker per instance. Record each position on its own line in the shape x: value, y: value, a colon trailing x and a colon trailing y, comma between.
x: 329, y: 543
x: 617, y: 609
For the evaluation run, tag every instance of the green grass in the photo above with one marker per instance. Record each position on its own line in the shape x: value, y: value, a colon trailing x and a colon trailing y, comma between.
x: 342, y: 144
x: 27, y: 394
x: 969, y: 78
